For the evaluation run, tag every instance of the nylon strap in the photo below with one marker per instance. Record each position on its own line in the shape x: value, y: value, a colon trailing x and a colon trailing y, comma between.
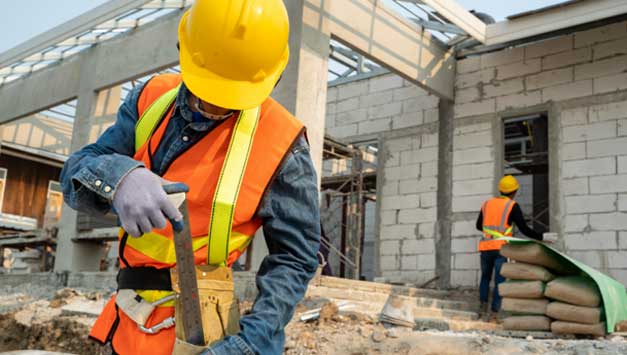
x: 150, y: 118
x: 229, y: 184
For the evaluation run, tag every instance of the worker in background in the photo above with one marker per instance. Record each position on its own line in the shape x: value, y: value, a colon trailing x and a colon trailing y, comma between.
x: 496, y: 220
x: 185, y: 128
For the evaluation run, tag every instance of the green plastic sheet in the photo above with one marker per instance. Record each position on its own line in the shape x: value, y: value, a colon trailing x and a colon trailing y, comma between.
x: 613, y: 292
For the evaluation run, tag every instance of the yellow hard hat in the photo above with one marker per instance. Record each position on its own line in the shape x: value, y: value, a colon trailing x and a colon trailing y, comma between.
x: 508, y: 184
x: 232, y: 52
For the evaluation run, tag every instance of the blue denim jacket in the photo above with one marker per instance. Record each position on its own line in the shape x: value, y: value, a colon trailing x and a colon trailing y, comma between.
x: 289, y: 210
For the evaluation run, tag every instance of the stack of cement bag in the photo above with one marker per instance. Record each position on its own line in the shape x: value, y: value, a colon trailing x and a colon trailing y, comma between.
x: 543, y: 294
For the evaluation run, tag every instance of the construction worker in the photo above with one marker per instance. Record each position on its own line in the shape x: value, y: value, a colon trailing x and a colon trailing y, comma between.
x: 189, y: 128
x: 496, y: 220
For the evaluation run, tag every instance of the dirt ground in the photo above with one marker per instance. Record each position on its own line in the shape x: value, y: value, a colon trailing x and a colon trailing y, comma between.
x: 31, y: 317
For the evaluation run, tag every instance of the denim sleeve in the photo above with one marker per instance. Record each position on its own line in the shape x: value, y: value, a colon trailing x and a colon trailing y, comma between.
x: 91, y: 175
x: 291, y: 226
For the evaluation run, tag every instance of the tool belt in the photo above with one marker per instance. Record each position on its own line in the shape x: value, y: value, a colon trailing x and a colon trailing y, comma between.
x: 219, y: 306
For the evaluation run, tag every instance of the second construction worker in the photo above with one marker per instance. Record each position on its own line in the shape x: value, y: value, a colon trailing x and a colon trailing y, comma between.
x: 496, y: 220
x: 246, y: 162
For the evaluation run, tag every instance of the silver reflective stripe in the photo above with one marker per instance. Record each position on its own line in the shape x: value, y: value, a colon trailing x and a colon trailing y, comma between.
x: 505, y: 214
x: 496, y: 228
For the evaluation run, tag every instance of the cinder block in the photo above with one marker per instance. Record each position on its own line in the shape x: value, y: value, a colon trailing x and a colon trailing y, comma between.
x: 397, y: 232
x: 470, y: 128
x: 465, y: 228
x: 473, y: 171
x: 387, y: 110
x: 473, y: 79
x: 610, y: 49
x: 467, y: 261
x: 589, y: 167
x: 608, y: 112
x: 350, y: 117
x: 571, y: 151
x: 468, y: 64
x: 589, y: 132
x: 600, y: 34
x: 409, y: 119
x: 424, y: 184
x: 392, y: 159
x: 426, y: 262
x: 429, y: 140
x: 472, y: 187
x: 402, y: 143
x: 408, y: 92
x: 609, y: 221
x: 608, y: 184
x: 417, y: 215
x: 409, y: 202
x: 475, y: 108
x: 610, y: 83
x: 467, y: 95
x: 622, y: 203
x: 549, y: 78
x: 390, y: 202
x: 464, y: 278
x: 518, y: 69
x: 418, y: 246
x: 549, y: 46
x: 590, y: 204
x: 607, y: 147
x: 385, y: 82
x: 347, y: 105
x: 469, y: 203
x: 403, y: 172
x: 576, y: 223
x: 567, y: 91
x: 409, y: 262
x: 426, y: 231
x: 601, y: 68
x: 567, y: 59
x: 420, y: 103
x: 431, y: 115
x: 572, y: 187
x: 502, y: 88
x: 343, y: 131
x: 590, y: 258
x: 622, y: 128
x: 388, y: 218
x: 331, y: 108
x: 591, y: 241
x: 389, y: 262
x: 375, y: 126
x: 429, y: 169
x: 464, y: 245
x: 390, y: 247
x: 376, y: 99
x: 419, y: 156
x: 354, y: 89
x: 511, y: 55
x: 519, y: 100
x: 622, y: 240
x: 574, y: 117
x: 332, y: 94
x: 622, y: 164
x: 472, y: 140
x: 429, y: 199
x: 473, y: 155
x: 617, y: 259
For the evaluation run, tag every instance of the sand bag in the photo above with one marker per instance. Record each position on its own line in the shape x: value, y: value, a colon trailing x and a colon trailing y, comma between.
x: 576, y: 290
x: 527, y: 323
x: 560, y: 327
x: 572, y: 313
x: 536, y: 254
x: 525, y: 306
x: 522, y: 271
x: 522, y: 289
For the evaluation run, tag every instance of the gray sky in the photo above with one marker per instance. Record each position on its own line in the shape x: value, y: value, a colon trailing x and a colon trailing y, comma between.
x: 24, y: 19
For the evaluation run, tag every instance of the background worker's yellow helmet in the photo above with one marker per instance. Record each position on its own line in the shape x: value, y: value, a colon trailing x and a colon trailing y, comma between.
x: 508, y: 184
x: 232, y: 52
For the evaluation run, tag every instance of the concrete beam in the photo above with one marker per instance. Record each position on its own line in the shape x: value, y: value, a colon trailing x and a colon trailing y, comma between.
x: 396, y: 43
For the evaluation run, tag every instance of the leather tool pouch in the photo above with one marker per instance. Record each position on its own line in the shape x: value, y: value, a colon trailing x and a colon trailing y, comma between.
x: 218, y: 304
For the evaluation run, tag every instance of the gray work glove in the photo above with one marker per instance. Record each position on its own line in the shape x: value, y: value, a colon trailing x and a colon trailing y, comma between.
x: 141, y: 203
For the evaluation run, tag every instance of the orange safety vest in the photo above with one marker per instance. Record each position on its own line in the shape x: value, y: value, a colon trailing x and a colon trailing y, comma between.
x: 199, y: 167
x: 495, y: 223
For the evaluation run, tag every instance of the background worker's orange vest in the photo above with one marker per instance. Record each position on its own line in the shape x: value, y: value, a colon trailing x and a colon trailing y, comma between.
x: 199, y: 167
x: 496, y: 222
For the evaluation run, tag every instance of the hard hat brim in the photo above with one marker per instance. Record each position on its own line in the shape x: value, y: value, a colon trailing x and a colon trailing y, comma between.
x: 224, y: 92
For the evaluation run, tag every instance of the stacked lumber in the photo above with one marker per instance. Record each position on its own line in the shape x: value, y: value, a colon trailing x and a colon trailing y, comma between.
x: 544, y: 294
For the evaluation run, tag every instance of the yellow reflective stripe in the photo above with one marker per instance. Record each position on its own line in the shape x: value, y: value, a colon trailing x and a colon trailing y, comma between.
x: 494, y: 234
x: 150, y: 118
x: 229, y: 184
x: 153, y: 296
x: 161, y: 248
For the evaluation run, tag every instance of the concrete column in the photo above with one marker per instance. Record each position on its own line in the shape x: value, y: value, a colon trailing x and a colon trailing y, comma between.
x: 70, y: 255
x: 444, y: 196
x: 303, y: 87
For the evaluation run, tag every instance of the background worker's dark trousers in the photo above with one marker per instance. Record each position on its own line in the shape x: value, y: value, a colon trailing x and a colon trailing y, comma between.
x: 491, y: 260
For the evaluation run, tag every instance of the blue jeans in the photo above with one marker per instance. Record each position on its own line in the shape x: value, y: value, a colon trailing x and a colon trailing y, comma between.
x: 491, y: 260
